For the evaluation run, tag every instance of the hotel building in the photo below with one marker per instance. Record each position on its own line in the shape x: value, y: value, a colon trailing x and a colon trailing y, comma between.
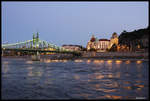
x: 101, y: 45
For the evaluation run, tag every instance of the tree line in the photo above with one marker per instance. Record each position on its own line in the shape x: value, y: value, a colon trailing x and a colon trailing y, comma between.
x: 133, y: 39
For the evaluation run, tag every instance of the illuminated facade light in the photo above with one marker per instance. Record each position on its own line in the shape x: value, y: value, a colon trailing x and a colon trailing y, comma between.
x: 102, y: 45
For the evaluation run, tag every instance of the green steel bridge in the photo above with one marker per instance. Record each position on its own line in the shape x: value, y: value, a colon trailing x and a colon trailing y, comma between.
x: 36, y: 45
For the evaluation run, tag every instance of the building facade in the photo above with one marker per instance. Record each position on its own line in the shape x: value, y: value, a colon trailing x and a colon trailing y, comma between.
x: 102, y: 45
x: 72, y: 47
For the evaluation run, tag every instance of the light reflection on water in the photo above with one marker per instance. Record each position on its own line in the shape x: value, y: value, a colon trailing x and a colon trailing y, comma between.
x: 51, y: 60
x: 78, y: 60
x: 118, y: 61
x: 127, y: 62
x: 29, y: 62
x: 81, y: 79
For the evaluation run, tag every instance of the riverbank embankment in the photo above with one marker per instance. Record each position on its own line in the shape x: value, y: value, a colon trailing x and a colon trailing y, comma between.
x: 92, y: 55
x: 113, y: 55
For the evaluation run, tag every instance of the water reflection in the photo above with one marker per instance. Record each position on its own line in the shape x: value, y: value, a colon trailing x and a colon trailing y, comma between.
x: 106, y: 90
x: 34, y: 72
x: 30, y: 73
x: 126, y: 82
x: 51, y: 60
x: 99, y: 76
x: 127, y: 62
x: 47, y: 60
x: 109, y: 61
x: 64, y: 60
x: 127, y: 87
x: 85, y: 95
x: 111, y: 85
x: 109, y: 64
x: 88, y: 61
x: 112, y: 96
x: 77, y: 77
x: 139, y: 66
x: 118, y: 74
x: 141, y: 86
x: 101, y: 61
x: 6, y: 68
x: 110, y: 76
x: 48, y: 73
x: 96, y: 61
x: 118, y: 61
x: 29, y: 62
x: 55, y: 60
x: 48, y: 81
x: 103, y: 81
x: 5, y: 62
x: 78, y: 60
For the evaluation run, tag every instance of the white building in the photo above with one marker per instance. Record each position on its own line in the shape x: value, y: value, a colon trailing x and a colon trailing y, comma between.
x: 72, y: 47
x: 102, y: 45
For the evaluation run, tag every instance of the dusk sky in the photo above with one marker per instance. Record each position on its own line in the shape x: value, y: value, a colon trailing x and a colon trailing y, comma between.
x: 70, y: 22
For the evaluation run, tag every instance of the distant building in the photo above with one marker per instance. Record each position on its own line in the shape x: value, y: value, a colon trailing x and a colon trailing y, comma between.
x: 101, y: 45
x: 72, y: 47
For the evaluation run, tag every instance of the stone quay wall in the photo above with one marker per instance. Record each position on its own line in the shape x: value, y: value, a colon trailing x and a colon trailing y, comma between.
x: 115, y: 54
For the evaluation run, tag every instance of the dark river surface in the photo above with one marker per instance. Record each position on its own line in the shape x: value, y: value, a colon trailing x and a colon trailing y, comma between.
x: 74, y: 79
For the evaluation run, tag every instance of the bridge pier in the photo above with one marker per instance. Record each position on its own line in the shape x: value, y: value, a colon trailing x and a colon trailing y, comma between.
x: 36, y: 57
x: 18, y: 53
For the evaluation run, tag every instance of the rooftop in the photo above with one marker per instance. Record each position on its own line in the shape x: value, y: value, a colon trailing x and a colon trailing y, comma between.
x: 104, y: 40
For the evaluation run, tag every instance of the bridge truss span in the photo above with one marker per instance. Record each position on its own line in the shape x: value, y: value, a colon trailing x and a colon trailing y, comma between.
x: 35, y: 43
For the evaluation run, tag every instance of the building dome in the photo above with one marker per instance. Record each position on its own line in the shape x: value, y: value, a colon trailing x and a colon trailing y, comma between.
x: 114, y: 35
x: 93, y: 38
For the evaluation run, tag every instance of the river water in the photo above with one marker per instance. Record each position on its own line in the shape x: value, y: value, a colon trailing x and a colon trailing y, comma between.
x: 74, y: 79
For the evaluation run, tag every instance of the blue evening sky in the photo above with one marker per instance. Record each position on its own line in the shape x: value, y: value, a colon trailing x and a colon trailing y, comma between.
x: 70, y: 22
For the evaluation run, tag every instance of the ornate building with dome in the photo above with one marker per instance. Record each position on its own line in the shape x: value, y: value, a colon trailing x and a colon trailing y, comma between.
x: 102, y: 45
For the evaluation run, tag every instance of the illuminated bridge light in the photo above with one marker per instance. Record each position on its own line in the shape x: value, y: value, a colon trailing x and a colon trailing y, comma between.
x: 139, y: 62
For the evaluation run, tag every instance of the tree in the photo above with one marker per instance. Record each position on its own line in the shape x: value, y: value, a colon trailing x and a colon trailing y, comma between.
x: 113, y: 48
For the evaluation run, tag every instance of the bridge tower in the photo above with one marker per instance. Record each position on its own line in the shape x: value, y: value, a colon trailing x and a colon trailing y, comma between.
x: 37, y: 40
x: 34, y: 40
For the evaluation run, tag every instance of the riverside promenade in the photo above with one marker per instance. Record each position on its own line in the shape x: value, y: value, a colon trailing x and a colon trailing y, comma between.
x: 94, y: 55
x: 138, y: 55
